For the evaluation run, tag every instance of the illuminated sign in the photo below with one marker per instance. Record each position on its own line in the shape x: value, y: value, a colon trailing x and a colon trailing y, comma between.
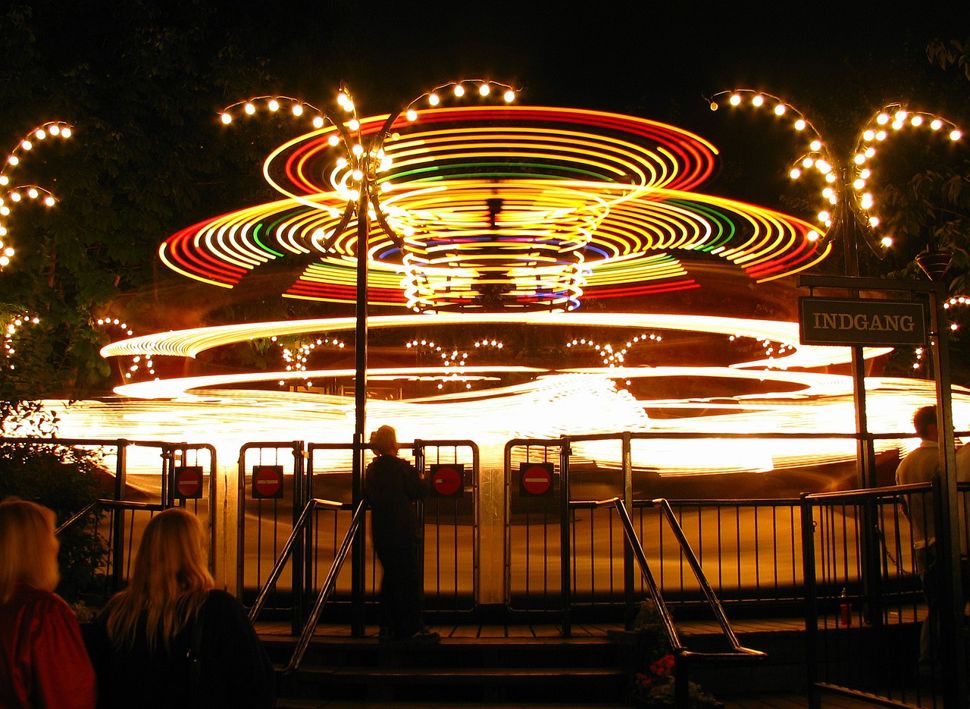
x: 860, y: 321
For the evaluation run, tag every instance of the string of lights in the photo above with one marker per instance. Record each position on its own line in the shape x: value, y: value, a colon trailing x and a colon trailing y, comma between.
x: 11, y: 196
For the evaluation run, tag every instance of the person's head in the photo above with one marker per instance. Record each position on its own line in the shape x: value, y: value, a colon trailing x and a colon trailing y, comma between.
x: 384, y: 440
x: 169, y: 580
x: 924, y: 421
x: 28, y: 547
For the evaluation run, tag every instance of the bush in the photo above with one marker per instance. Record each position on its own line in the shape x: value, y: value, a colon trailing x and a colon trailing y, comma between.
x: 66, y: 480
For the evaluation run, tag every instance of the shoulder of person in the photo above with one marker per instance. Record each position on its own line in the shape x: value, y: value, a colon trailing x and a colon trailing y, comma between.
x: 44, y: 601
x: 219, y: 600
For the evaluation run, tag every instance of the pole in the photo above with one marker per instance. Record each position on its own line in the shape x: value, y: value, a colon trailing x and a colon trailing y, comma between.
x: 360, y: 406
x: 953, y: 650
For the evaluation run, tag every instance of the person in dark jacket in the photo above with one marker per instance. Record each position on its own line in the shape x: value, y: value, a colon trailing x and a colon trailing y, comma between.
x: 170, y: 639
x: 391, y: 485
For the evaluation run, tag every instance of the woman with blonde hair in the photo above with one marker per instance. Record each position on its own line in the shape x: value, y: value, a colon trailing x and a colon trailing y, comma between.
x: 170, y: 639
x: 43, y: 662
x: 391, y: 485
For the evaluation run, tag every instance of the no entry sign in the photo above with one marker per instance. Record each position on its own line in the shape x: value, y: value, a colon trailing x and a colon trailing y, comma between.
x: 535, y: 478
x: 267, y: 482
x: 188, y: 482
x: 448, y: 479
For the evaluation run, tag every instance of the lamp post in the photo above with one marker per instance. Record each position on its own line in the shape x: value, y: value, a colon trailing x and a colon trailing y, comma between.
x: 847, y: 210
x: 846, y: 181
x: 361, y: 163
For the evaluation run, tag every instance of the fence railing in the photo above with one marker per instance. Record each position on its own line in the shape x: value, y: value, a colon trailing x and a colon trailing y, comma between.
x: 186, y: 476
x: 867, y: 631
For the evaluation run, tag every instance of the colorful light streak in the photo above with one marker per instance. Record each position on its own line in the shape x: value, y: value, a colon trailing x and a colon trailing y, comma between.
x: 533, y: 207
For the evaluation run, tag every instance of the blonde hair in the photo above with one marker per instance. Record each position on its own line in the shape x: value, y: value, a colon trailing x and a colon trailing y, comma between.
x: 168, y: 585
x: 26, y: 531
x: 384, y: 440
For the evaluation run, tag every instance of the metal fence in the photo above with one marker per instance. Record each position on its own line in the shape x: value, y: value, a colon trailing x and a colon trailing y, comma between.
x: 866, y: 610
x: 186, y: 476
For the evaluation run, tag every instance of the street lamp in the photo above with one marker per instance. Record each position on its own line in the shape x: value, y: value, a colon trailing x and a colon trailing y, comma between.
x: 847, y: 208
x: 358, y: 178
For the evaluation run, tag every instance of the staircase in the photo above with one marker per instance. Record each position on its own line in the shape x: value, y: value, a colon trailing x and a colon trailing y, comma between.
x: 464, y: 667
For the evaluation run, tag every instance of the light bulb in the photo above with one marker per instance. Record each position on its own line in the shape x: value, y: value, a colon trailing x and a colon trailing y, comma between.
x: 815, y: 145
x: 795, y: 173
x: 273, y: 105
x: 249, y: 108
x: 40, y: 134
x: 434, y: 100
x: 758, y: 100
x: 916, y: 121
x: 882, y: 119
x: 780, y: 109
x: 509, y: 96
x: 735, y: 100
x: 936, y: 124
x: 459, y: 90
x: 318, y: 121
x: 297, y: 109
x: 955, y: 134
x: 800, y: 124
x: 484, y: 90
x: 54, y: 129
x: 411, y: 114
x: 225, y: 118
x: 26, y: 145
x: 333, y: 139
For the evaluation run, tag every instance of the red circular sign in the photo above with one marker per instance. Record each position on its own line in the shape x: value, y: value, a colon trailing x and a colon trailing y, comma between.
x: 188, y: 482
x: 537, y: 479
x: 446, y: 480
x: 267, y: 481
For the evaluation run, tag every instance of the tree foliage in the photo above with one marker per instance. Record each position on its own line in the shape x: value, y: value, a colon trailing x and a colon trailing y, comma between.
x: 142, y: 86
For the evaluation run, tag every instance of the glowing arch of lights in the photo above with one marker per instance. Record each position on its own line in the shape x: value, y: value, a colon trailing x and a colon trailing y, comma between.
x: 534, y: 207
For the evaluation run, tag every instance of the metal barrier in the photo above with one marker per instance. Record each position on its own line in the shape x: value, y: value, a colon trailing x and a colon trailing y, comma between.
x: 863, y: 614
x: 187, y: 478
x: 448, y: 520
x: 537, y: 544
x: 271, y: 493
x: 682, y: 655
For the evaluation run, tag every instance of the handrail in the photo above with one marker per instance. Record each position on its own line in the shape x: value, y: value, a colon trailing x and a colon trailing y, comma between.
x: 712, y: 600
x: 286, y: 552
x: 123, y: 504
x: 327, y: 590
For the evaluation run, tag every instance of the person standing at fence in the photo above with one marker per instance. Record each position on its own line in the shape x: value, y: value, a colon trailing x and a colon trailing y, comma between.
x: 170, y: 639
x: 922, y: 465
x: 391, y: 486
x: 43, y: 662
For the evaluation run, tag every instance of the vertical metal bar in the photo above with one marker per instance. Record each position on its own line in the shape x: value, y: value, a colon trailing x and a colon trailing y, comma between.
x: 360, y: 408
x: 953, y: 648
x: 419, y: 464
x: 564, y: 550
x: 629, y: 597
x: 213, y: 508
x: 811, y: 604
x: 118, y: 514
x: 303, y: 540
x: 241, y: 521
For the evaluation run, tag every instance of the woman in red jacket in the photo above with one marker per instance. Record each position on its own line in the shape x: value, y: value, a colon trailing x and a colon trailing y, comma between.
x: 43, y: 662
